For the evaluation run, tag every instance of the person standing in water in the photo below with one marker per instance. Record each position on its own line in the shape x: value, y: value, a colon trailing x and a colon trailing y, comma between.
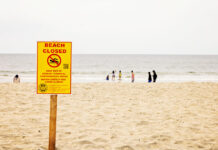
x: 16, y: 79
x: 149, y: 77
x: 154, y: 76
x: 120, y: 75
x: 113, y: 75
x: 133, y: 76
x: 107, y: 77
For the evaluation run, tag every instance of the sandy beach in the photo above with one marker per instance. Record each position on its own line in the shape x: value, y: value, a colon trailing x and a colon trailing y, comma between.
x: 112, y: 116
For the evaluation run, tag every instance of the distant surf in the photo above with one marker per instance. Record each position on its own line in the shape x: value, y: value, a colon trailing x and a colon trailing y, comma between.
x: 94, y: 68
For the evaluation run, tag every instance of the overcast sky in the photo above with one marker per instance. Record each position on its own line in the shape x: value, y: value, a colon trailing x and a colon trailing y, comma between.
x: 111, y: 26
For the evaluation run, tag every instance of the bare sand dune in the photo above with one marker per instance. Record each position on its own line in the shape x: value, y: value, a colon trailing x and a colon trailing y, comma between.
x: 112, y: 116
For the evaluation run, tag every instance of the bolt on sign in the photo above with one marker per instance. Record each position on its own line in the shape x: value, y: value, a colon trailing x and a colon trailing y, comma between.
x: 54, y: 67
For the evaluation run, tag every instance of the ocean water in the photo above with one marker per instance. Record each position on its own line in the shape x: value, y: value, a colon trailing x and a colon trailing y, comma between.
x: 94, y: 68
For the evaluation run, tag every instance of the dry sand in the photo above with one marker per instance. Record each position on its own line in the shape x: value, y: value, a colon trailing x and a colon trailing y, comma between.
x: 112, y: 116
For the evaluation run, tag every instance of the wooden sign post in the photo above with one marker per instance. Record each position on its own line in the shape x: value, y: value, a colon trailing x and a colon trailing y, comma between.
x: 52, y: 122
x: 53, y: 77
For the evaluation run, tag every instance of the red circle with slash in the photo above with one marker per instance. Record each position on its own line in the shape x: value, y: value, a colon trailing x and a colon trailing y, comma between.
x: 53, y: 60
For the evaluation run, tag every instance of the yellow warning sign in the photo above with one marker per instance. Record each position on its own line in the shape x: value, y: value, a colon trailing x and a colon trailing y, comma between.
x: 54, y: 67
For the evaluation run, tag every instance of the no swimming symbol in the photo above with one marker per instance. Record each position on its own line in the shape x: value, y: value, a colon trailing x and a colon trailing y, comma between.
x: 54, y: 60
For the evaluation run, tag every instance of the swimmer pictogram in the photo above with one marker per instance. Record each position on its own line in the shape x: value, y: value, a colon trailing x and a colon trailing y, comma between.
x: 54, y: 60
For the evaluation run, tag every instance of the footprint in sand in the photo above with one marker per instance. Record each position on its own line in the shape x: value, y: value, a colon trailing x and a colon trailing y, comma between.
x: 126, y: 147
x: 84, y: 142
x: 141, y: 123
x: 100, y: 140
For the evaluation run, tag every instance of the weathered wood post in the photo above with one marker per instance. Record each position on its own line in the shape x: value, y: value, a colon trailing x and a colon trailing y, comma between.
x: 52, y: 122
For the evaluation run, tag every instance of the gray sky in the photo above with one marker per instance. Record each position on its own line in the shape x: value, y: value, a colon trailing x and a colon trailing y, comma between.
x: 111, y: 26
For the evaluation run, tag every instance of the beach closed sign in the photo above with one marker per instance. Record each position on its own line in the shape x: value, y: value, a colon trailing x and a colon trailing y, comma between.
x: 54, y: 67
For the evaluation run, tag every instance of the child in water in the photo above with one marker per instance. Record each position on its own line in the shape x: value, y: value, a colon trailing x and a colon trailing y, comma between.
x: 133, y: 76
x: 120, y: 75
x: 107, y: 77
x: 16, y: 79
x: 113, y: 75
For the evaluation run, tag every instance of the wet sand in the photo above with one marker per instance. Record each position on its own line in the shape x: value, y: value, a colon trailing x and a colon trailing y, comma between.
x: 112, y: 116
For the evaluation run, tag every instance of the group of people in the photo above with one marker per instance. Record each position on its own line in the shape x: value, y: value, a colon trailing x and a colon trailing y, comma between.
x: 154, y: 76
x: 150, y: 77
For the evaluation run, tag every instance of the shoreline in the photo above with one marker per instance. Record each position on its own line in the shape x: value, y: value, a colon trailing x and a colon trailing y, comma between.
x: 121, y: 82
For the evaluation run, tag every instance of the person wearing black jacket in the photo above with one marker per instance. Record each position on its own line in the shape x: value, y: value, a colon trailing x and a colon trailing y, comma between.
x: 149, y: 77
x: 154, y: 76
